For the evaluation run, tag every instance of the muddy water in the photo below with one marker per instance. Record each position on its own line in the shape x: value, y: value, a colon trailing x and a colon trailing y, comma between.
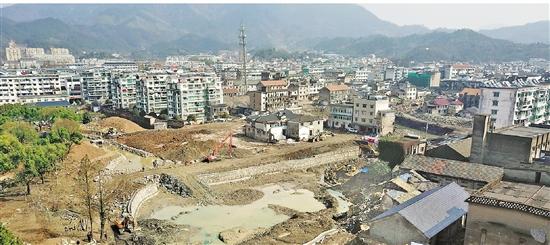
x: 213, y: 219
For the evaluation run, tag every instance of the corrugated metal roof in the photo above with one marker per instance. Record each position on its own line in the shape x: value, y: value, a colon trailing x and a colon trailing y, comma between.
x: 433, y: 210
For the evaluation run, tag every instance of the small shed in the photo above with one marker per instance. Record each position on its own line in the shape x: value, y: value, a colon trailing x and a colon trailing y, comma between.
x: 430, y: 218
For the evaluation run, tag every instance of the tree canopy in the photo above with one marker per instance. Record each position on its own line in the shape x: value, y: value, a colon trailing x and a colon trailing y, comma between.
x: 34, y: 139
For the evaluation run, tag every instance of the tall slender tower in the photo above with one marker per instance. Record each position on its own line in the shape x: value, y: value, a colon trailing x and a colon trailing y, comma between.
x: 242, y: 43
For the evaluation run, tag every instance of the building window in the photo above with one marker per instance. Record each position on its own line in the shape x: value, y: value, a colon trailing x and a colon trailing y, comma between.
x: 495, y: 102
x: 494, y: 112
x: 496, y: 94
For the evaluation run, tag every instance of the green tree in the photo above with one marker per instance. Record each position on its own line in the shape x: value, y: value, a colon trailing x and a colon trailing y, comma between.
x: 65, y: 131
x: 28, y: 173
x: 86, y: 118
x: 23, y: 131
x: 8, y: 238
x: 391, y: 152
x: 191, y: 118
x: 224, y: 115
x: 51, y: 114
x: 10, y: 152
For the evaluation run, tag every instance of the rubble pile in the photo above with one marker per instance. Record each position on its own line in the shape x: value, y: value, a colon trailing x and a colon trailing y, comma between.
x: 164, y: 163
x: 364, y: 212
x: 173, y: 185
x: 446, y: 120
x: 159, y: 227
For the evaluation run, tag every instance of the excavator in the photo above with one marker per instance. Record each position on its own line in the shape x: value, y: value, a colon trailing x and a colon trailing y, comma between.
x: 214, y: 155
x: 123, y: 224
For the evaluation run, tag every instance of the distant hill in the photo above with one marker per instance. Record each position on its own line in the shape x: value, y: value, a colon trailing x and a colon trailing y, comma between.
x: 268, y: 25
x: 460, y: 45
x: 528, y: 33
x: 146, y: 30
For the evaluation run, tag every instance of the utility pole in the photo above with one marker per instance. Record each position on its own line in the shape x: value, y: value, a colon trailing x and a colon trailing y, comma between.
x: 242, y: 43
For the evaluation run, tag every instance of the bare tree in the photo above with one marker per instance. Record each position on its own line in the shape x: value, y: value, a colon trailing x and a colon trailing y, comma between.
x: 107, y: 193
x: 86, y: 172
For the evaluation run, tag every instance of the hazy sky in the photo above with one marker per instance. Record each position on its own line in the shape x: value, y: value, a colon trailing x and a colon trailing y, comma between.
x: 473, y: 16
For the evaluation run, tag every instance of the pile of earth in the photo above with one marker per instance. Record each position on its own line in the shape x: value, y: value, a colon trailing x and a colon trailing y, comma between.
x: 242, y: 197
x: 120, y: 124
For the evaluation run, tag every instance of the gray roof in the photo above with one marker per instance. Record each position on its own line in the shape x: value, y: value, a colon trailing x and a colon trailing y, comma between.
x: 534, y: 199
x: 452, y: 168
x: 525, y: 132
x: 53, y: 103
x: 433, y: 210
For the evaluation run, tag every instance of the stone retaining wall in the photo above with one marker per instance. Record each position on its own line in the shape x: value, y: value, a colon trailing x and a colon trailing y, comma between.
x: 130, y: 149
x: 141, y: 196
x: 343, y: 154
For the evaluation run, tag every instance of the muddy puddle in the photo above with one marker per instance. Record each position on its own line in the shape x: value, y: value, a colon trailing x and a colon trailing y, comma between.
x: 213, y: 219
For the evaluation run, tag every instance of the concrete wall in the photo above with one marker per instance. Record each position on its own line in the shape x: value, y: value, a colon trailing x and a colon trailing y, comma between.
x: 506, y: 150
x: 545, y: 179
x: 136, y: 151
x: 342, y: 154
x: 505, y: 108
x: 396, y: 230
x: 141, y: 196
x: 525, y: 176
x: 502, y: 226
x: 479, y: 137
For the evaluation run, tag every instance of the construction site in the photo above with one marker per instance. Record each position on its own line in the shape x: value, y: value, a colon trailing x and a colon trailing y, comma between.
x: 205, y: 184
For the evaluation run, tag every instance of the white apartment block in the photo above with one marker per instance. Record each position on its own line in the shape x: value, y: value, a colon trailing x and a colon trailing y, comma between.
x: 341, y: 116
x: 95, y: 85
x: 123, y: 90
x: 362, y: 75
x: 373, y: 115
x: 31, y: 88
x: 194, y: 94
x: 121, y: 66
x: 34, y: 52
x: 13, y: 53
x: 152, y: 92
x: 516, y: 106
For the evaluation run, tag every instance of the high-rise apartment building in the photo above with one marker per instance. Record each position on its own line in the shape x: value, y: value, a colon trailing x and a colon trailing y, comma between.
x: 152, y: 92
x: 516, y: 106
x: 194, y: 94
x: 32, y: 88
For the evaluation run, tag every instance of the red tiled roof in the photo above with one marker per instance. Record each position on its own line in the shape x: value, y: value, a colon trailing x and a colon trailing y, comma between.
x: 337, y: 87
x: 470, y: 91
x: 461, y: 66
x: 273, y: 83
x: 457, y: 102
x: 230, y: 90
x: 440, y: 101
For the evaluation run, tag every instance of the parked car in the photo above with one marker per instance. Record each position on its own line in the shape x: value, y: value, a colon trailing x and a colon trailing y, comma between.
x: 352, y: 130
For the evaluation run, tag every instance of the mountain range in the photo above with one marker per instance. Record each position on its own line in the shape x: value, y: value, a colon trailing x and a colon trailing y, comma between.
x: 164, y: 29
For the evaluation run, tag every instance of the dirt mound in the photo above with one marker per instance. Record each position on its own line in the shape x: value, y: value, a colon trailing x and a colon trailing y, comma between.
x: 78, y: 151
x: 173, y: 144
x: 242, y: 197
x: 120, y: 124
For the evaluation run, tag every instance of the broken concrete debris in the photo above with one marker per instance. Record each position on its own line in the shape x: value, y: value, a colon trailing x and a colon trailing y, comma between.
x: 173, y: 185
